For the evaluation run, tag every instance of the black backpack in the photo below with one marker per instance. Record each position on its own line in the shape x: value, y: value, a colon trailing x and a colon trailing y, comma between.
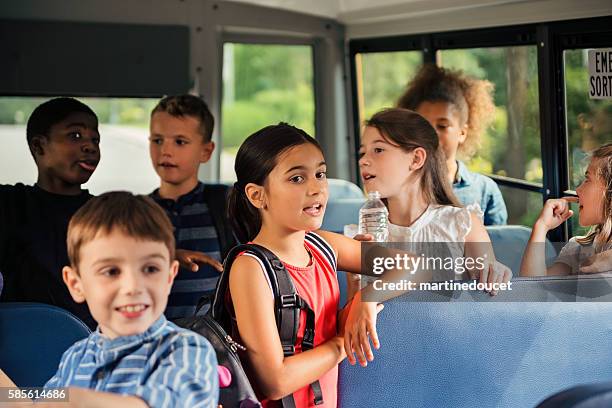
x: 239, y: 394
x: 287, y: 306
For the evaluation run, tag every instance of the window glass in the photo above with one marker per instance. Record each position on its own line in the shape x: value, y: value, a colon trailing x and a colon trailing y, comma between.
x: 523, y: 206
x: 511, y: 147
x: 382, y: 77
x: 124, y: 133
x: 263, y: 85
x: 589, y: 121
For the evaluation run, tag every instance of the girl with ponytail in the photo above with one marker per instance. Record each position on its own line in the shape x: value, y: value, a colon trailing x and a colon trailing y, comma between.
x: 278, y: 201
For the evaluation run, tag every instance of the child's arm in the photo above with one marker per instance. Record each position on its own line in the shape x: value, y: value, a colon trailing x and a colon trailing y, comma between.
x: 80, y: 397
x: 277, y: 376
x: 554, y: 213
x: 85, y: 398
x: 5, y: 381
x: 361, y: 315
x: 598, y: 263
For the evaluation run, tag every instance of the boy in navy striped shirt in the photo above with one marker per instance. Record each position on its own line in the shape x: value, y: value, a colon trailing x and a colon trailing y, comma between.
x: 180, y: 141
x: 121, y: 250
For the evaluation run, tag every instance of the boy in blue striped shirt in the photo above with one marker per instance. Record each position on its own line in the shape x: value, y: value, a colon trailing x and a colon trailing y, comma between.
x: 180, y: 141
x: 121, y: 250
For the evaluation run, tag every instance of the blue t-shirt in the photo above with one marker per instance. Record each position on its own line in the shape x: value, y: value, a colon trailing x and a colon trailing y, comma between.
x: 476, y: 188
x: 166, y: 366
x: 194, y: 230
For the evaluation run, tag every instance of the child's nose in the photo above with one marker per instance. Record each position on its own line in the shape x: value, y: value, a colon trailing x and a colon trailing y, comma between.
x: 166, y: 149
x: 131, y: 283
x: 89, y: 147
x: 317, y: 186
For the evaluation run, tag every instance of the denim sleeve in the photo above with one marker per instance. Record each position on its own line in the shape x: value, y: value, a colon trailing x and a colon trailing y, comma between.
x: 495, y: 212
x: 186, y: 377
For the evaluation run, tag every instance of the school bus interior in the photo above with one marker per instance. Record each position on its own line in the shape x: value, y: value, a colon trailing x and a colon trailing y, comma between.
x: 326, y: 66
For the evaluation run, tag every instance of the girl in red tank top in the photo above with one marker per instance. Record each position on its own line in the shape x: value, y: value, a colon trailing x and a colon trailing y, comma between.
x: 278, y: 200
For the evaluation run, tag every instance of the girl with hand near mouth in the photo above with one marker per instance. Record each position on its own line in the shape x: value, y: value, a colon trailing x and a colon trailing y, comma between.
x: 586, y: 254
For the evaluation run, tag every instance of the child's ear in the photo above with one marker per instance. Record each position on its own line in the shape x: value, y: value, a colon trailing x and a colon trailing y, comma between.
x: 419, y: 155
x: 207, y: 149
x: 256, y: 195
x: 37, y: 145
x: 463, y: 134
x: 73, y: 281
x: 174, y: 268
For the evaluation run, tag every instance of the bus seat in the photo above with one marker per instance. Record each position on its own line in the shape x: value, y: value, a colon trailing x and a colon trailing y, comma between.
x: 509, y: 242
x: 340, y: 213
x: 581, y: 396
x: 33, y: 337
x: 340, y: 189
x: 467, y: 349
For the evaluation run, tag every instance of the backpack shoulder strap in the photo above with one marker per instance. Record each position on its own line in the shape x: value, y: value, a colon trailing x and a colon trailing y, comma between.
x: 286, y: 300
x: 215, y: 197
x: 287, y: 306
x: 324, y: 248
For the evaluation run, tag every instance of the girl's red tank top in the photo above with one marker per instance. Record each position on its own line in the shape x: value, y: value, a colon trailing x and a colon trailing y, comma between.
x: 317, y: 284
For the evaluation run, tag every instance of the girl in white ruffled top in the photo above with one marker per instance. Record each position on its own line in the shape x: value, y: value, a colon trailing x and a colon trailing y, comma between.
x: 400, y: 157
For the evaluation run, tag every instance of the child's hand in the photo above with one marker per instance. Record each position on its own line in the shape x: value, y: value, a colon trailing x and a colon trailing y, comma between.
x: 191, y: 259
x: 555, y: 212
x: 363, y: 237
x: 496, y: 272
x: 360, y: 327
x: 598, y: 263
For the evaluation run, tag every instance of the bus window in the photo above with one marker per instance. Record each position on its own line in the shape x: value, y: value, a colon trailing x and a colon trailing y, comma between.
x: 262, y: 85
x: 511, y: 147
x: 124, y: 134
x: 589, y: 121
x: 526, y: 205
x: 382, y: 77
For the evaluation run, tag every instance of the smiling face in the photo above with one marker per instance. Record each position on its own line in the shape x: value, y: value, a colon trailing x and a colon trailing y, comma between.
x: 295, y: 192
x: 125, y: 282
x: 591, y: 197
x: 177, y: 148
x: 446, y: 120
x: 69, y: 154
x: 384, y: 167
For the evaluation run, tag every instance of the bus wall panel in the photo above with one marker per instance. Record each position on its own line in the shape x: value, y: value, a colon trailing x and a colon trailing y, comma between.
x: 68, y: 58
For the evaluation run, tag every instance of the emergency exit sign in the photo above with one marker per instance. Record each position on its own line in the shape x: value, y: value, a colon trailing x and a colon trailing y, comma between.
x: 600, y: 74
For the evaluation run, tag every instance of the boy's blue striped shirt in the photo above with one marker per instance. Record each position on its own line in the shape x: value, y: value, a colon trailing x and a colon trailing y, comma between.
x: 166, y: 366
x: 194, y: 230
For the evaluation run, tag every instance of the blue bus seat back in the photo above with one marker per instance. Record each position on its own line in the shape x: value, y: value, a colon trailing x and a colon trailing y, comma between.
x: 509, y: 243
x: 340, y: 189
x: 446, y: 349
x: 33, y: 337
x: 341, y: 212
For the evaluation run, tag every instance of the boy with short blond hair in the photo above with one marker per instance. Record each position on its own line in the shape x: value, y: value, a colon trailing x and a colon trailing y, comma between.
x: 180, y: 141
x: 121, y: 250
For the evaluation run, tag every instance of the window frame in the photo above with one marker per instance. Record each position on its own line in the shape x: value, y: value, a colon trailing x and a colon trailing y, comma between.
x: 551, y: 40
